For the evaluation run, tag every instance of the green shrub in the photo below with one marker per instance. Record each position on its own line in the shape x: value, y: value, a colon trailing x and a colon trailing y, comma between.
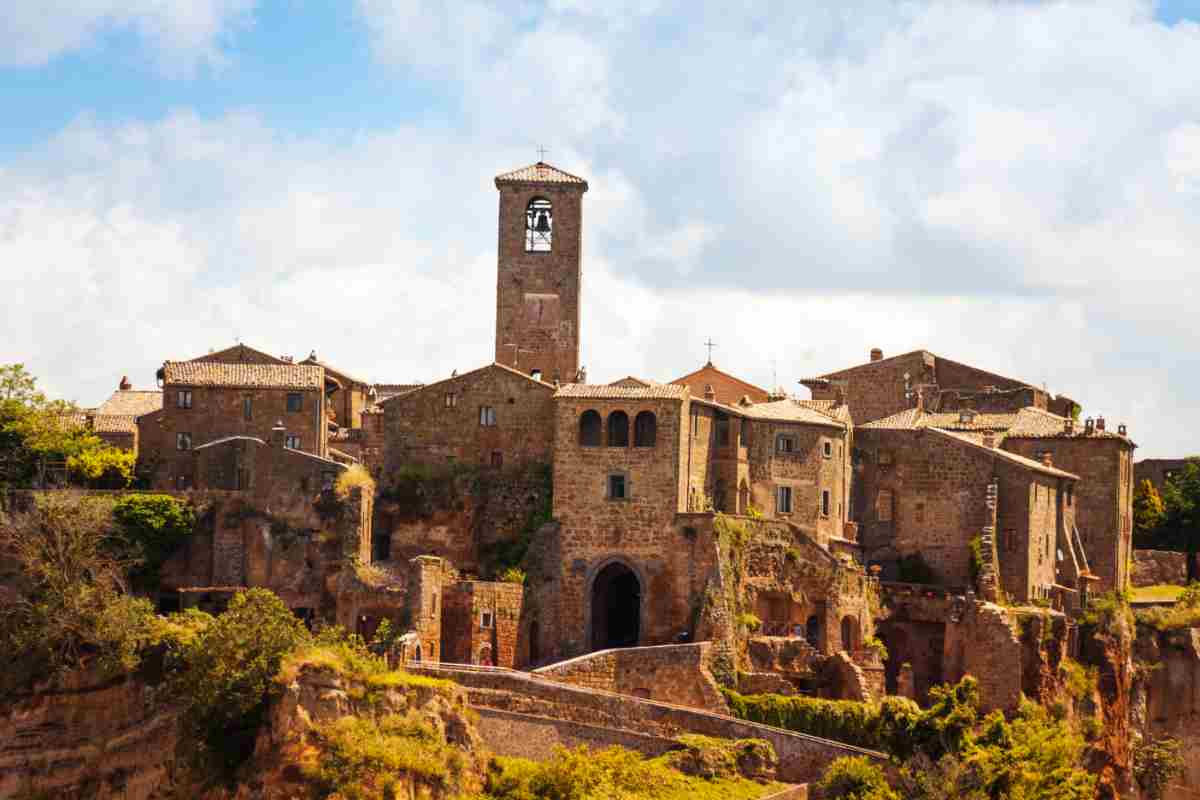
x: 512, y: 575
x: 877, y: 646
x: 228, y: 672
x: 1184, y: 613
x: 975, y: 565
x: 856, y: 778
x: 749, y: 622
x: 1109, y: 612
x: 1156, y: 762
x: 103, y: 467
x: 846, y: 721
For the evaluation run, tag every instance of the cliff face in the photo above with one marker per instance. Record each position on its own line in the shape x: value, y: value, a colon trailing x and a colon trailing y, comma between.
x: 1111, y: 757
x: 86, y: 738
x: 1166, y: 697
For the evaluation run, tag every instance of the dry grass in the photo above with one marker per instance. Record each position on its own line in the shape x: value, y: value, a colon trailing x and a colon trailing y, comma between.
x: 355, y: 477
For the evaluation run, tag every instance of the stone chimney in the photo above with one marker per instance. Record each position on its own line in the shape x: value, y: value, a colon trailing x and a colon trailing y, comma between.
x: 1069, y: 425
x: 876, y: 354
x: 1100, y: 424
x: 1047, y: 458
x: 1089, y: 425
x: 1122, y: 430
x: 124, y: 385
x: 278, y: 434
x: 989, y: 440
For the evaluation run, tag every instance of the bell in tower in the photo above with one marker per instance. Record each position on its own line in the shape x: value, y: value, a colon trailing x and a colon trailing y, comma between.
x: 538, y: 226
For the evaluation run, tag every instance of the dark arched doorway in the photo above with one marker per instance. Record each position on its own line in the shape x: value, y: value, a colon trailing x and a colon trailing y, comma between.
x: 616, y: 608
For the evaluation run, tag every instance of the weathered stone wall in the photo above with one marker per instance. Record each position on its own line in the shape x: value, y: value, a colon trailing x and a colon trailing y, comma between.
x: 676, y: 674
x: 1153, y: 567
x: 87, y: 738
x: 440, y: 423
x: 538, y: 293
x: 508, y: 733
x: 877, y: 389
x: 806, y: 470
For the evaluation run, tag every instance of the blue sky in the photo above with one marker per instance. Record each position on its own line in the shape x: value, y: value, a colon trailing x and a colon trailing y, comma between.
x: 1014, y: 185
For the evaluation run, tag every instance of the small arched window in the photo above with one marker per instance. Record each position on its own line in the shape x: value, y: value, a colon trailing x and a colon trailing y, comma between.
x: 589, y: 429
x: 849, y: 634
x: 645, y: 429
x: 539, y: 226
x: 618, y: 429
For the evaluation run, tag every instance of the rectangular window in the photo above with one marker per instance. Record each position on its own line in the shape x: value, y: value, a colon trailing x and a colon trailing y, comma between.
x: 295, y: 401
x: 824, y: 502
x: 722, y: 433
x: 242, y: 480
x: 784, y: 444
x: 183, y: 441
x: 485, y: 620
x: 247, y: 408
x: 883, y: 505
x: 920, y: 509
x: 783, y: 500
x: 827, y: 449
x: 616, y: 487
x: 292, y: 442
x: 183, y: 398
x: 487, y: 416
x: 451, y: 400
x: 497, y: 459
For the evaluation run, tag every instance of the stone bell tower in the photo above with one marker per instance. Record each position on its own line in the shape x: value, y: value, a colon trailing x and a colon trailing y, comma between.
x: 539, y: 270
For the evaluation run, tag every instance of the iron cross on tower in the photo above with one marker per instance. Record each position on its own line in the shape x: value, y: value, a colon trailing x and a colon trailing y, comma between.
x: 710, y: 344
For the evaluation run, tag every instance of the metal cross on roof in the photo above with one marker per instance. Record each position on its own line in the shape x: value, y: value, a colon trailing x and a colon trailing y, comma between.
x: 542, y: 153
x: 710, y: 344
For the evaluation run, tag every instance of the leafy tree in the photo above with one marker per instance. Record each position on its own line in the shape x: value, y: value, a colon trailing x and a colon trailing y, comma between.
x: 69, y: 607
x: 1156, y: 762
x: 103, y: 467
x: 227, y: 673
x: 1149, y: 511
x: 1181, y: 496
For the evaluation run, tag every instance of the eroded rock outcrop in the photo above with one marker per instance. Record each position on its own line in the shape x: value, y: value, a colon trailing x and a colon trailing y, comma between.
x: 84, y: 737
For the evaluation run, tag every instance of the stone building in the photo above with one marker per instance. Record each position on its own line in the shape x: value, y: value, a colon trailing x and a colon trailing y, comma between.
x: 540, y: 261
x: 954, y: 501
x: 347, y: 397
x: 886, y: 386
x: 494, y: 416
x: 1157, y: 470
x: 209, y: 400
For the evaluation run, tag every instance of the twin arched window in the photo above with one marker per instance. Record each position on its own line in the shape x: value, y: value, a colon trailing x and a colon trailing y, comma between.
x: 645, y: 429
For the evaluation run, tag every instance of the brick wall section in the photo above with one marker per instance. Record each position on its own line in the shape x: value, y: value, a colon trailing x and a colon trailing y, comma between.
x: 802, y: 758
x: 537, y: 294
x: 420, y: 428
x: 217, y: 412
x: 675, y: 674
x: 1103, y: 498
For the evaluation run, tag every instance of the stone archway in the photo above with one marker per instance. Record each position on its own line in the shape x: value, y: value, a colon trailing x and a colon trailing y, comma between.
x: 616, y: 607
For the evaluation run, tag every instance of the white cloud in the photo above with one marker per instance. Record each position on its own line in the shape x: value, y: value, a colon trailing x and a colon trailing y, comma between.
x: 182, y: 35
x: 1011, y: 185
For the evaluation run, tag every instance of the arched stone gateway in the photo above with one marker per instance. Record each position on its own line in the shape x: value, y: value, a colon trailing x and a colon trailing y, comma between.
x: 616, y: 607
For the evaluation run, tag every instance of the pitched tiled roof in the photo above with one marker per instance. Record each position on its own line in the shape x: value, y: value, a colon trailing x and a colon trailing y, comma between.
x: 541, y: 172
x: 758, y: 391
x: 631, y: 380
x: 1004, y: 455
x: 590, y: 391
x: 333, y: 370
x: 912, y: 419
x: 828, y: 407
x: 386, y: 391
x: 426, y: 387
x: 789, y: 411
x: 132, y: 401
x: 247, y: 376
x: 238, y: 353
x: 114, y: 423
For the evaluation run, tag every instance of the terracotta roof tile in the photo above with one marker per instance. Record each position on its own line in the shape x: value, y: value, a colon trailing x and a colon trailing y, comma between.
x: 1013, y: 458
x: 540, y: 172
x: 132, y: 401
x: 114, y: 423
x: 789, y: 411
x: 248, y: 376
x: 589, y: 391
x: 1027, y: 423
